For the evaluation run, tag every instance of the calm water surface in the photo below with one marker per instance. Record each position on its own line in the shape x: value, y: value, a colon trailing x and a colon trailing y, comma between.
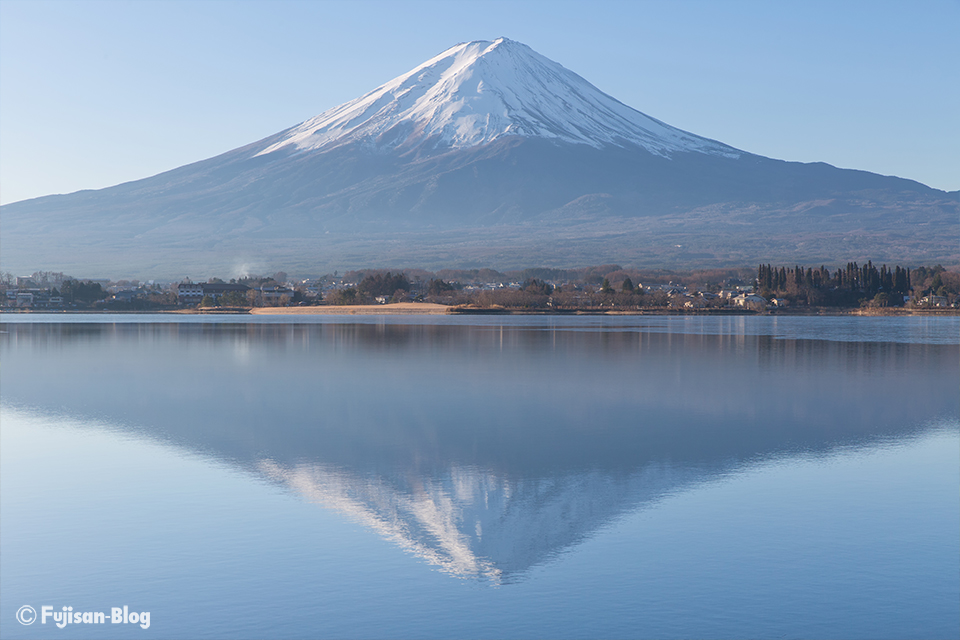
x: 482, y: 477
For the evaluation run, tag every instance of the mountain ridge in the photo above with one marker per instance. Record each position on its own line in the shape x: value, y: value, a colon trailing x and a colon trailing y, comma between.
x: 407, y: 175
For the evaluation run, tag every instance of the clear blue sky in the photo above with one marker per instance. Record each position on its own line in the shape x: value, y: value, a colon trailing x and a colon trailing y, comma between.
x: 97, y: 93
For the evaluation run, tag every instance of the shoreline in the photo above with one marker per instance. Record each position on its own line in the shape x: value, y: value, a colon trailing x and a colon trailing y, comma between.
x: 398, y: 308
x: 427, y: 308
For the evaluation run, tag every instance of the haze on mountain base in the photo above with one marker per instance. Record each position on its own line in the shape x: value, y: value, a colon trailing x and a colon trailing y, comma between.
x: 488, y: 154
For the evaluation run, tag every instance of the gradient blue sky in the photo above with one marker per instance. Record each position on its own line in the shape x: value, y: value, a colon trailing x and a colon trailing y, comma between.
x: 97, y: 93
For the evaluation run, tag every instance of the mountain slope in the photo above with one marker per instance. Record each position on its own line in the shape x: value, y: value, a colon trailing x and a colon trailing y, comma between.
x: 486, y: 155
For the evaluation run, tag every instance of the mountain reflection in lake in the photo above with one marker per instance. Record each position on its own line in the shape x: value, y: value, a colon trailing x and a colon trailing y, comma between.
x: 486, y: 450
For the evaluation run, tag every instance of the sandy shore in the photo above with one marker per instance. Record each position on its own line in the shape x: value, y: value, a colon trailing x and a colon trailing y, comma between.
x: 405, y: 308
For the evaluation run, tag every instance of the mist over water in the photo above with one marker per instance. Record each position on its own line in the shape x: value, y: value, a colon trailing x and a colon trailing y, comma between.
x: 442, y: 477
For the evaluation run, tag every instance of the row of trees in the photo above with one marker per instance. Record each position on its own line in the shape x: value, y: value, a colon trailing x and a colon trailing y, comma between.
x: 249, y: 298
x: 866, y: 279
x: 383, y: 285
x: 75, y: 291
x: 395, y: 287
x: 851, y: 285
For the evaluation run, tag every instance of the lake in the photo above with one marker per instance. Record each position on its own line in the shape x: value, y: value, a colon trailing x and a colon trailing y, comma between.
x: 476, y: 477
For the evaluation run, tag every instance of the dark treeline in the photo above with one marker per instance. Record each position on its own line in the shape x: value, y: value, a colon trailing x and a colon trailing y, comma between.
x: 851, y: 285
x: 395, y: 287
x: 79, y: 291
x: 439, y: 287
x: 383, y: 284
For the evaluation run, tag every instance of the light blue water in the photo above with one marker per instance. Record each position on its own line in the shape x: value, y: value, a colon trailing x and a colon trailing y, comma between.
x: 478, y: 477
x: 910, y: 329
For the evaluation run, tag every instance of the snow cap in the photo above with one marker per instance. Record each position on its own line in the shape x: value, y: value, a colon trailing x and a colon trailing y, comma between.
x: 477, y: 92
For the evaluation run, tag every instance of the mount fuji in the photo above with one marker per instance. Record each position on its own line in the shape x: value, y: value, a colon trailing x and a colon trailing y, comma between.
x: 479, y: 92
x: 488, y: 154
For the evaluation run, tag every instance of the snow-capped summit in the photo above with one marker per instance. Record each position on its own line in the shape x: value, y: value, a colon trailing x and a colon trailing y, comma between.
x: 478, y: 92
